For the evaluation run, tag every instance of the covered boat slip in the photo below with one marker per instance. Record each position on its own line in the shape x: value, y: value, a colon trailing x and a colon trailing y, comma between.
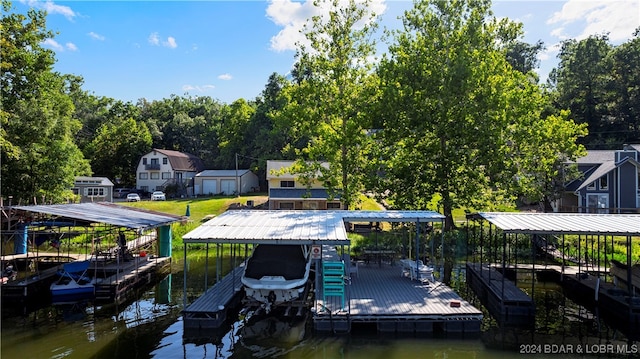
x: 110, y: 254
x: 373, y: 294
x: 508, y: 230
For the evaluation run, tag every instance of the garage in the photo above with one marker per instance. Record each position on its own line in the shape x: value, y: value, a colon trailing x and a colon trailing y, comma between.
x: 210, y: 186
x: 215, y: 182
x: 227, y: 186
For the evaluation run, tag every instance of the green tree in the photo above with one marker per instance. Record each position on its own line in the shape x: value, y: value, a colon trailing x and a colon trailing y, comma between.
x: 116, y: 149
x: 39, y: 156
x: 459, y: 123
x: 582, y: 81
x: 625, y: 91
x: 326, y: 102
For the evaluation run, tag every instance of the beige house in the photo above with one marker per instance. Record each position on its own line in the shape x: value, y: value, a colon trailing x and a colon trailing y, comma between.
x: 161, y: 168
x: 287, y: 192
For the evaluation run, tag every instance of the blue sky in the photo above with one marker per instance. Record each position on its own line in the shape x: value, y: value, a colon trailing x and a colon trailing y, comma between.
x: 227, y: 49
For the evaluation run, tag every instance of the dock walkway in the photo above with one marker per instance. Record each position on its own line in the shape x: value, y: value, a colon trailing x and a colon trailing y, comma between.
x: 381, y: 295
x: 507, y: 303
x: 209, y: 310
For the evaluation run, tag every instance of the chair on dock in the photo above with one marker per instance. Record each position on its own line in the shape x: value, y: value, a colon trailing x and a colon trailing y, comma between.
x: 412, y: 269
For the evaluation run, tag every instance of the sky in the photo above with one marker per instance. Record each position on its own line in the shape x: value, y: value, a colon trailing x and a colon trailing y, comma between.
x: 129, y: 50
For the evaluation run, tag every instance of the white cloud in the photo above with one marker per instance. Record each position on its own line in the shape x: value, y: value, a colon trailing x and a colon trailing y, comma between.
x: 618, y: 18
x: 225, y: 77
x: 95, y: 36
x: 53, y: 44
x: 293, y: 15
x: 154, y: 39
x: 170, y: 42
x: 196, y: 88
x: 71, y: 46
x: 51, y: 8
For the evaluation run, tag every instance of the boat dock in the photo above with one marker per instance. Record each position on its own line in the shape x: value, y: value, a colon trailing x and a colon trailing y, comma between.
x: 382, y: 296
x: 123, y: 278
x: 209, y: 311
x: 507, y: 303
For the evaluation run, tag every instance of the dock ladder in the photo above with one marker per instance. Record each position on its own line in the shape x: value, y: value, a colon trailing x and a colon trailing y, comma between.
x: 333, y: 281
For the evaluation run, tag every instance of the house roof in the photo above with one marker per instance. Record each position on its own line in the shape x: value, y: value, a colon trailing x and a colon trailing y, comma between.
x: 300, y: 193
x: 564, y: 223
x: 86, y: 180
x: 276, y: 166
x: 299, y: 227
x: 605, y: 168
x: 104, y: 212
x: 181, y: 161
x: 222, y: 173
x: 597, y: 156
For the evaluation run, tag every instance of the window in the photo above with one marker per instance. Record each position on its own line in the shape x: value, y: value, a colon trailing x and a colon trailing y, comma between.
x: 598, y: 203
x: 164, y: 161
x: 603, y: 182
x: 286, y: 205
x: 155, y: 175
x: 309, y: 205
x: 333, y: 205
x: 166, y: 175
x: 591, y: 186
x: 143, y: 175
x: 144, y: 188
x: 144, y: 160
x: 289, y: 184
x: 94, y: 191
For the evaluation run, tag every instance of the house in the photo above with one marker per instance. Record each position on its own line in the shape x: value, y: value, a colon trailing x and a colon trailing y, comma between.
x: 93, y: 189
x: 211, y: 182
x: 610, y: 183
x: 169, y: 171
x: 287, y: 192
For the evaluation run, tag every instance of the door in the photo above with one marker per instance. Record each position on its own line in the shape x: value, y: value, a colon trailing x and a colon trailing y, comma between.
x: 210, y: 187
x: 228, y: 186
x: 598, y: 203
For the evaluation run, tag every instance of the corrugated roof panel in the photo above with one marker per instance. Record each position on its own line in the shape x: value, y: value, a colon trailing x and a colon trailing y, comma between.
x: 105, y: 212
x: 568, y: 223
x: 309, y: 226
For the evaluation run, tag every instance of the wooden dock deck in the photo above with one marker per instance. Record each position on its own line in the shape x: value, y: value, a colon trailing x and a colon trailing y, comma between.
x: 210, y: 309
x: 380, y: 295
x: 507, y: 303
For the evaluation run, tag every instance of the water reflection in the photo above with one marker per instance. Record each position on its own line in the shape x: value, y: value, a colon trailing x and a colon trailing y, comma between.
x: 152, y: 327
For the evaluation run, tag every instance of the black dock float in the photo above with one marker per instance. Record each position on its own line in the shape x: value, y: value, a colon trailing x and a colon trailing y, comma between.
x: 210, y: 309
x: 507, y: 303
x: 615, y: 305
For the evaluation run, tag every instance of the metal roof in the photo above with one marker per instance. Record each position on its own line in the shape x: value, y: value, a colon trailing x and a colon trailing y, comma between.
x: 105, y: 212
x: 565, y: 223
x: 297, y: 226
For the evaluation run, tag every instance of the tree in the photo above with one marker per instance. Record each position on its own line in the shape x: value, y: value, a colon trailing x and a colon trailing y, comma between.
x: 39, y: 156
x: 581, y: 80
x: 625, y: 90
x: 459, y: 124
x: 116, y: 149
x: 325, y: 104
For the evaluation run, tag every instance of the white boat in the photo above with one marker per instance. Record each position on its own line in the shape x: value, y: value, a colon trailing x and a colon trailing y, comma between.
x: 73, y: 283
x: 276, y: 274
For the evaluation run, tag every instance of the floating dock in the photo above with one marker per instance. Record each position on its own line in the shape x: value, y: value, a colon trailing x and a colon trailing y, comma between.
x: 507, y: 303
x: 616, y: 306
x: 209, y: 311
x: 383, y: 297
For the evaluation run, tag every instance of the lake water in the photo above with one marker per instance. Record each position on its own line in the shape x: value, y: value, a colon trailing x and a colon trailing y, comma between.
x: 152, y: 327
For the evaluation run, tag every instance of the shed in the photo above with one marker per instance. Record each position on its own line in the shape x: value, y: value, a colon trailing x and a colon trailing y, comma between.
x: 212, y: 182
